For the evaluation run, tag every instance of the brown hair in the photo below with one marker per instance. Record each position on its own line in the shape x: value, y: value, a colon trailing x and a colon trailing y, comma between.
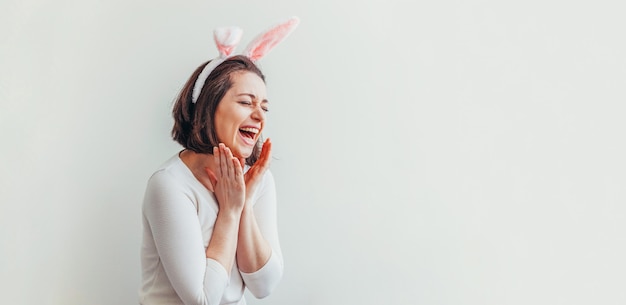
x: 194, y: 126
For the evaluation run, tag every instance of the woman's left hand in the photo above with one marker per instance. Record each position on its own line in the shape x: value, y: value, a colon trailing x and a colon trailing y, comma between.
x: 254, y: 175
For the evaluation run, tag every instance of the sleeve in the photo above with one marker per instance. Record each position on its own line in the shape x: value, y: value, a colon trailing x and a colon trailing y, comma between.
x: 263, y: 281
x: 177, y: 234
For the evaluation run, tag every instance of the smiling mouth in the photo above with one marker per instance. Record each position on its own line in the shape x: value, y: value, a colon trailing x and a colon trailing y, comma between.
x: 249, y: 133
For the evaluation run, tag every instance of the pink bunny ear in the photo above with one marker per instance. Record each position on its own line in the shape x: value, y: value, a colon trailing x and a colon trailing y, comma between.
x: 226, y: 39
x: 267, y: 40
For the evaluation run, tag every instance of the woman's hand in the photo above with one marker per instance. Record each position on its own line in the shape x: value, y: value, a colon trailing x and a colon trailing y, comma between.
x: 255, y: 174
x: 228, y: 180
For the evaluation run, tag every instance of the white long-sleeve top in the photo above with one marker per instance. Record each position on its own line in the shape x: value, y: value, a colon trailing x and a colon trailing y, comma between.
x: 178, y: 218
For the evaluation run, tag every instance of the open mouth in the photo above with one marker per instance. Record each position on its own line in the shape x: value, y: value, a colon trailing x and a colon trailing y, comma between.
x: 249, y: 134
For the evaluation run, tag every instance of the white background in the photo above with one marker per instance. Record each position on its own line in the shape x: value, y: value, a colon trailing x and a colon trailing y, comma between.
x: 431, y: 152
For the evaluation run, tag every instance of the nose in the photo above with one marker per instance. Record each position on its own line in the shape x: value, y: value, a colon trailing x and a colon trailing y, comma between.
x: 258, y: 113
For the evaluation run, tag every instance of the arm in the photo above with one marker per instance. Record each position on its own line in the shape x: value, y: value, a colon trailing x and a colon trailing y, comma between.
x: 198, y: 275
x: 177, y: 234
x: 258, y: 251
x: 229, y: 186
x: 253, y: 250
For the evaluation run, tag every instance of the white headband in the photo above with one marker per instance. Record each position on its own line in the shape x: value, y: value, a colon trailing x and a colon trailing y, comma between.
x: 227, y: 38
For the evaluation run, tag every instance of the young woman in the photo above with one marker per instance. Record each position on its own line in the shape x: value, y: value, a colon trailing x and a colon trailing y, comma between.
x: 209, y: 212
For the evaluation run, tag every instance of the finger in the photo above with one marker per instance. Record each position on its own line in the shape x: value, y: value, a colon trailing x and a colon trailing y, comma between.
x: 223, y: 163
x: 238, y: 169
x: 228, y: 158
x: 262, y: 156
x: 212, y: 177
x: 261, y: 165
x: 216, y: 160
x: 266, y: 150
x: 256, y: 171
x: 265, y: 157
x: 242, y: 161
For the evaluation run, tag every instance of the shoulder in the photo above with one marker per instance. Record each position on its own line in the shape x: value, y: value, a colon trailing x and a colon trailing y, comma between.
x: 266, y: 186
x: 169, y: 174
x: 268, y: 178
x: 162, y: 178
x: 163, y: 186
x: 166, y: 186
x: 268, y: 175
x: 166, y: 174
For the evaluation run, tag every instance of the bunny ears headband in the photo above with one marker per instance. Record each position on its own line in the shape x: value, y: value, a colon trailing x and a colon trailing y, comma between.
x: 227, y: 38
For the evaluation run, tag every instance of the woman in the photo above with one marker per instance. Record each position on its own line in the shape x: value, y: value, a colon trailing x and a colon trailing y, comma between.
x: 209, y: 213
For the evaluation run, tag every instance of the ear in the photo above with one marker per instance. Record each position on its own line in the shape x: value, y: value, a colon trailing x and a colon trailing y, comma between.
x: 267, y: 40
x: 226, y: 39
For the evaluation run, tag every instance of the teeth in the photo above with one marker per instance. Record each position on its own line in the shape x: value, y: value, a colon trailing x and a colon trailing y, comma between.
x: 250, y: 129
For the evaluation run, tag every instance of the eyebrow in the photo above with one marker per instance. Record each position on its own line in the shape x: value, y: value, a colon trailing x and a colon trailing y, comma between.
x: 253, y: 97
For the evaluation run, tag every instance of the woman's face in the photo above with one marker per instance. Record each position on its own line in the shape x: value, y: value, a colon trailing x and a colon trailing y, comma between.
x: 240, y: 115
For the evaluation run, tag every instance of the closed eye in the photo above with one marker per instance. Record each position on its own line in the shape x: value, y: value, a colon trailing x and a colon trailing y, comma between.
x: 249, y: 103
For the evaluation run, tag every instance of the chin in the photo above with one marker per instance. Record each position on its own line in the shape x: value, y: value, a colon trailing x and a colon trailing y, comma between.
x: 244, y: 153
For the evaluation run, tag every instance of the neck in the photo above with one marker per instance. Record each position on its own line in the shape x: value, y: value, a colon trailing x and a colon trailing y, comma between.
x: 198, y: 163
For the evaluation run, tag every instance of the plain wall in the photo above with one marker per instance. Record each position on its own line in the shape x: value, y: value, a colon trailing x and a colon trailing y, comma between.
x: 430, y: 152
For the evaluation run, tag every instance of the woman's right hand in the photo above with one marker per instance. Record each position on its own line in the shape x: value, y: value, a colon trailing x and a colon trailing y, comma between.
x: 254, y: 175
x: 228, y: 180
